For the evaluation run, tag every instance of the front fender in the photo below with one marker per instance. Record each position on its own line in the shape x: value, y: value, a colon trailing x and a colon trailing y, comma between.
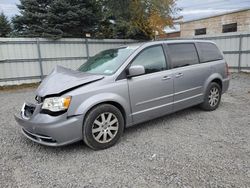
x: 94, y: 100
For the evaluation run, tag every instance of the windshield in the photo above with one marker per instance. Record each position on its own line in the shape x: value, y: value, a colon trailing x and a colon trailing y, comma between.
x: 106, y: 62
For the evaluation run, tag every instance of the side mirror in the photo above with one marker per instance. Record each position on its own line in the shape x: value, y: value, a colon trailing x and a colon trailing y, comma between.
x: 136, y: 70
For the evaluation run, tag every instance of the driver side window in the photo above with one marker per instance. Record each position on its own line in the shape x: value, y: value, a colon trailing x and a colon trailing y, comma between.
x: 152, y: 59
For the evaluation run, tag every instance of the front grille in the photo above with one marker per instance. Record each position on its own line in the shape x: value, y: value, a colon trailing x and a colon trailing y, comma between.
x: 38, y: 137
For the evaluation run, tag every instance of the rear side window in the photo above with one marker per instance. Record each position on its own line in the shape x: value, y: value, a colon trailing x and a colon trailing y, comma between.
x: 183, y: 54
x: 209, y: 52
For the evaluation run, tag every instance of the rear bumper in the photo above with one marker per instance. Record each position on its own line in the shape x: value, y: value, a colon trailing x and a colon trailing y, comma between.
x: 225, y: 84
x: 52, y: 130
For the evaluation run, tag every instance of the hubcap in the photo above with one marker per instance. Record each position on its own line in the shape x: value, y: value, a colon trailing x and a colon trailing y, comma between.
x: 213, y: 97
x: 105, y: 127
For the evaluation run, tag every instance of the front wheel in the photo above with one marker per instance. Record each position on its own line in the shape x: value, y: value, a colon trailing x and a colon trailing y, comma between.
x: 103, y: 126
x: 212, y: 97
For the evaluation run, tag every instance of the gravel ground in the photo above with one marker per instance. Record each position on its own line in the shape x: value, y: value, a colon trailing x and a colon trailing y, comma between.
x: 191, y: 148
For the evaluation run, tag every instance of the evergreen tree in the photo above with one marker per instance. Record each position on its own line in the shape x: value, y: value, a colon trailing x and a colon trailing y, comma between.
x: 73, y: 18
x: 57, y: 18
x: 32, y: 21
x: 5, y: 27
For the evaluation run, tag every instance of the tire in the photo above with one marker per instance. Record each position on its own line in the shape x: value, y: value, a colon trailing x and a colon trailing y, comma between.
x: 212, y: 97
x: 103, y: 127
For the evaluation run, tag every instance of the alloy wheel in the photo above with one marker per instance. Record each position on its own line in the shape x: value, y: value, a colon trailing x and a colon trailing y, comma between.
x: 214, y: 96
x: 105, y: 127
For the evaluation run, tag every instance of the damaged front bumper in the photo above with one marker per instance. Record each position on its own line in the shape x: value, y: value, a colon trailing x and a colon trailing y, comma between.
x: 49, y: 130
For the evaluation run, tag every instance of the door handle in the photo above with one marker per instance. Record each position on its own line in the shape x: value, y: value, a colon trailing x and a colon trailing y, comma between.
x: 179, y: 75
x: 166, y: 77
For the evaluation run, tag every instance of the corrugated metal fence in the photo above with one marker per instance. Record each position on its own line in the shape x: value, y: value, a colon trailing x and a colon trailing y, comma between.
x: 27, y: 60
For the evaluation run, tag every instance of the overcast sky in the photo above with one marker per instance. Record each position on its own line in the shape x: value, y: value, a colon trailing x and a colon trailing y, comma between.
x: 191, y: 9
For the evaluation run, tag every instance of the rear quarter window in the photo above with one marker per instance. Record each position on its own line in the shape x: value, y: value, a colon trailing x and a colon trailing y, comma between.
x: 208, y: 52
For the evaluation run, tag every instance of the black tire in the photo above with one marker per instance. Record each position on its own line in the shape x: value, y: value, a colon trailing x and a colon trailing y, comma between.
x: 91, y: 138
x: 206, y: 105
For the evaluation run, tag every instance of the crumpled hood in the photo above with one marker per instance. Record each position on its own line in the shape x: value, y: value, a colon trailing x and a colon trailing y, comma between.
x: 61, y: 79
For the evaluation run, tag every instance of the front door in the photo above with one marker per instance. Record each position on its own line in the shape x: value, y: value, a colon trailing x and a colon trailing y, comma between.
x: 151, y: 94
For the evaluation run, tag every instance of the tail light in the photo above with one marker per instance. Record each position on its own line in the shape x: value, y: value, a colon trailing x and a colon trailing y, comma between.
x: 227, y: 70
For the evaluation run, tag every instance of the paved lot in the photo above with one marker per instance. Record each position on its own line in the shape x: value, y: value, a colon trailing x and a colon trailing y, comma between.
x: 191, y: 148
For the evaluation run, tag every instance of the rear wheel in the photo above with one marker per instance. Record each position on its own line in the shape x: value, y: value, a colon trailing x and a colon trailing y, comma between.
x: 103, y: 126
x: 212, y: 97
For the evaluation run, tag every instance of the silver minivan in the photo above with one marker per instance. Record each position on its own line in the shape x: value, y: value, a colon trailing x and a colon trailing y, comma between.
x: 122, y: 87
